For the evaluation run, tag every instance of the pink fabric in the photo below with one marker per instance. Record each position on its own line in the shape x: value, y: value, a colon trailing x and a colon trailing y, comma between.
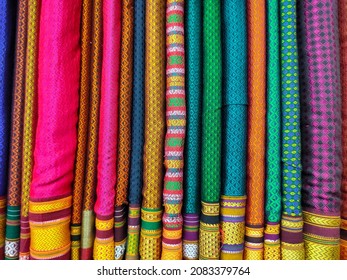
x: 108, y: 122
x: 58, y: 85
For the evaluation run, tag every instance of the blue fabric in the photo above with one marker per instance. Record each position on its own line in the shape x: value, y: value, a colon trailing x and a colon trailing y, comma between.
x: 193, y: 52
x: 137, y: 120
x: 234, y: 142
x: 7, y: 35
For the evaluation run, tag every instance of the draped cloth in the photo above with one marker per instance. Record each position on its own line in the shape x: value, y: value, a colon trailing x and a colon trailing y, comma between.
x: 272, y: 247
x: 209, y: 237
x: 7, y: 36
x: 15, y: 160
x: 137, y: 132
x: 234, y: 142
x: 343, y: 67
x: 175, y: 132
x: 82, y: 132
x: 88, y: 216
x: 254, y: 248
x: 321, y: 127
x: 124, y: 145
x: 292, y: 224
x: 108, y: 130
x: 56, y: 136
x: 30, y: 119
x: 151, y: 210
x: 192, y: 151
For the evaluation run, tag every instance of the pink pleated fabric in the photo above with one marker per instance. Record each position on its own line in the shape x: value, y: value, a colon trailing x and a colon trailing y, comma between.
x: 56, y: 134
x: 108, y: 131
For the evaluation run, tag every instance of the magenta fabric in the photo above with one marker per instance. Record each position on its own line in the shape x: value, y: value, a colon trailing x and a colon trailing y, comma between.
x: 108, y: 123
x: 58, y: 86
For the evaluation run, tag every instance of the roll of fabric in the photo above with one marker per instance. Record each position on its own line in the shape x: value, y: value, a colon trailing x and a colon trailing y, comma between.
x: 343, y: 66
x: 108, y: 131
x: 321, y: 127
x: 254, y: 247
x: 15, y: 160
x: 137, y: 132
x: 151, y: 211
x: 192, y: 155
x: 30, y: 120
x: 56, y: 135
x: 292, y: 224
x: 234, y: 142
x: 88, y: 216
x: 82, y: 132
x: 272, y: 246
x: 175, y: 132
x: 209, y: 237
x: 7, y: 37
x: 124, y: 145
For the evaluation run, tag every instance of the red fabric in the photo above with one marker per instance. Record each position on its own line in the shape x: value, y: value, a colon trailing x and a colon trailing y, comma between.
x: 108, y: 122
x: 58, y: 85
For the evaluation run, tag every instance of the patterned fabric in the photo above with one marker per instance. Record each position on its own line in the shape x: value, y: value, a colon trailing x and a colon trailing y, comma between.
x: 321, y: 127
x: 175, y: 132
x: 211, y: 131
x: 151, y: 212
x: 256, y: 130
x: 108, y: 130
x: 234, y: 141
x: 292, y: 238
x: 15, y: 161
x: 30, y: 117
x: 192, y: 165
x: 343, y: 59
x: 272, y: 247
x: 56, y: 136
x: 137, y: 132
x: 88, y: 216
x: 82, y: 133
x: 125, y: 97
x: 7, y: 36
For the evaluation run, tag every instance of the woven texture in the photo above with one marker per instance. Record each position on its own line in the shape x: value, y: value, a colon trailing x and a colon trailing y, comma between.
x: 291, y: 136
x: 273, y: 135
x: 192, y: 151
x: 108, y: 130
x: 150, y: 241
x: 234, y: 143
x: 137, y: 131
x: 175, y: 131
x: 87, y: 230
x: 15, y: 161
x: 82, y: 132
x: 256, y: 129
x: 343, y: 62
x: 56, y: 136
x: 30, y: 117
x: 7, y: 39
x: 321, y: 126
x: 211, y: 130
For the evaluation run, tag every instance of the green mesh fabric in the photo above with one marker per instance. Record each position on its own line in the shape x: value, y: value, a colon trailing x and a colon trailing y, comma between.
x: 273, y: 116
x: 212, y: 101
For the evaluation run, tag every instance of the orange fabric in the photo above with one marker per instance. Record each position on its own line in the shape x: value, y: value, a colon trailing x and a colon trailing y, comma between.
x: 256, y: 117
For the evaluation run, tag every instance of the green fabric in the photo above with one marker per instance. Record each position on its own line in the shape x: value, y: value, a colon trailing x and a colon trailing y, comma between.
x: 212, y: 102
x: 273, y: 116
x: 193, y: 52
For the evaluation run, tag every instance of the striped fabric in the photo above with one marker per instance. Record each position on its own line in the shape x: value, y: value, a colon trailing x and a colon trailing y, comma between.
x: 175, y: 131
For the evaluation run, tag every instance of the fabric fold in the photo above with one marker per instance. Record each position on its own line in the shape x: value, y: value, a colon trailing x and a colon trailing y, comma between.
x: 254, y: 237
x: 56, y: 134
x: 321, y: 127
x: 137, y: 132
x: 209, y: 234
x: 151, y: 210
